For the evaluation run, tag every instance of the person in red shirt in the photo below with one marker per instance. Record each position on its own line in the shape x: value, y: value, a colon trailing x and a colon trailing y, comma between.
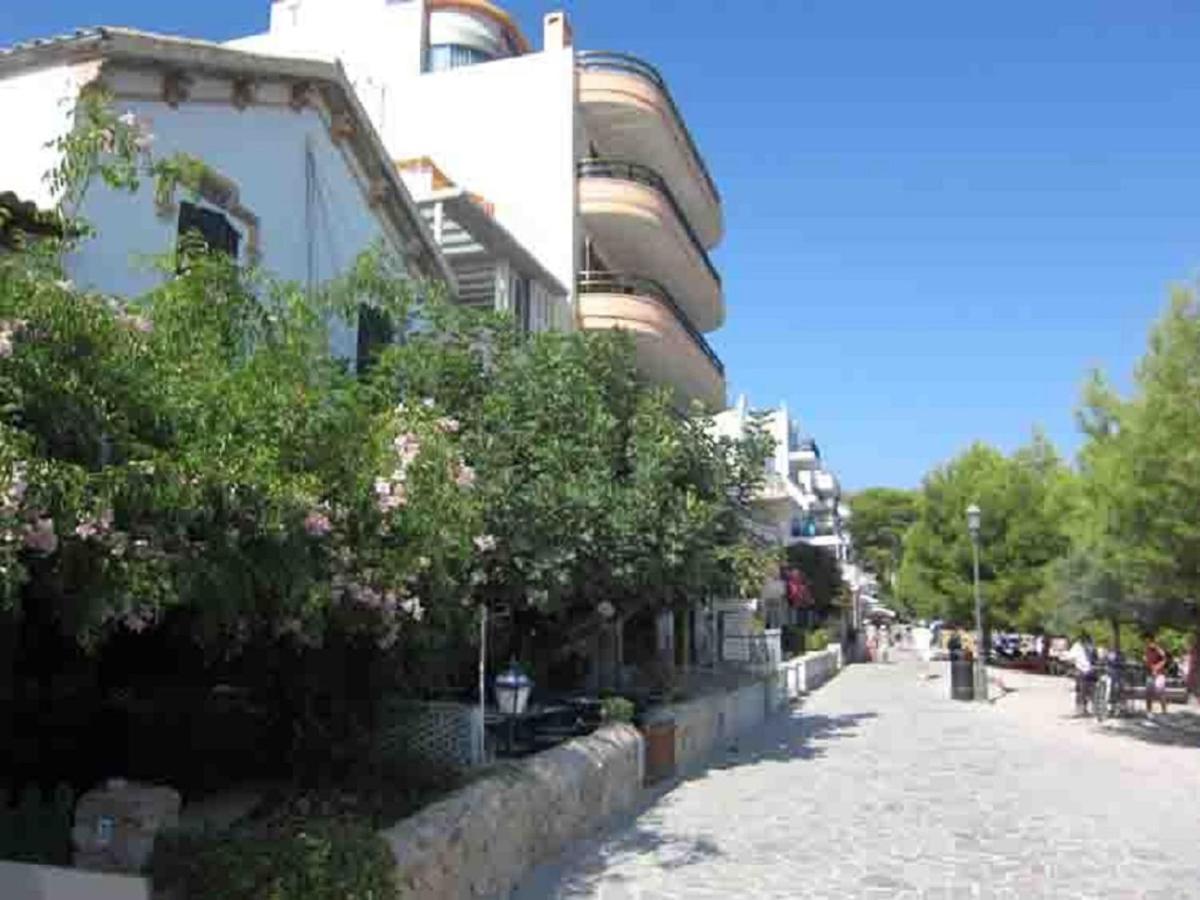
x: 1156, y: 675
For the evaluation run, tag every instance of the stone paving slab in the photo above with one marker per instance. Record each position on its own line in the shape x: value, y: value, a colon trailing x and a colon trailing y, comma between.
x: 880, y: 786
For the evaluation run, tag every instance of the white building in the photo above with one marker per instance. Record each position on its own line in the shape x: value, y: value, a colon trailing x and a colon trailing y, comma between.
x: 493, y: 271
x: 801, y: 501
x: 584, y: 158
x: 299, y: 180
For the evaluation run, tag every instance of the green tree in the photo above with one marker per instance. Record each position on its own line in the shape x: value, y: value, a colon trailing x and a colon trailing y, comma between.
x: 1021, y: 535
x: 1143, y: 462
x: 595, y: 490
x: 880, y: 519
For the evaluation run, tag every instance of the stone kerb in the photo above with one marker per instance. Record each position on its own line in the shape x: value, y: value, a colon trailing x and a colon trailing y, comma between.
x: 23, y: 881
x: 483, y: 839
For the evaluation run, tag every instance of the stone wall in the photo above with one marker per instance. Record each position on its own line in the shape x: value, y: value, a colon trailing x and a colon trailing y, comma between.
x: 20, y: 881
x: 806, y: 673
x: 701, y: 724
x: 482, y: 840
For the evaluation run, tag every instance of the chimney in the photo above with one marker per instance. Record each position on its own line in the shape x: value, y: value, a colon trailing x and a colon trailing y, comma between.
x: 557, y: 33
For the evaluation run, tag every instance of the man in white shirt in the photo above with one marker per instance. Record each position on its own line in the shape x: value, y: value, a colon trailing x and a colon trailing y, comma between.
x: 1082, y: 655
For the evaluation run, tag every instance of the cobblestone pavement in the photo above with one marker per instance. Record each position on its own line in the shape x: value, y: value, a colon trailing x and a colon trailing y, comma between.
x: 880, y: 786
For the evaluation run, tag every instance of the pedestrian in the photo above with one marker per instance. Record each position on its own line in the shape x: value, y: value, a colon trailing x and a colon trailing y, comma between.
x: 954, y: 645
x: 1156, y: 674
x: 1083, y: 657
x: 1191, y: 675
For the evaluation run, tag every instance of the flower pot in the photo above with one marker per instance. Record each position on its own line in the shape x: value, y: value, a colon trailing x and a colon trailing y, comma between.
x: 660, y: 750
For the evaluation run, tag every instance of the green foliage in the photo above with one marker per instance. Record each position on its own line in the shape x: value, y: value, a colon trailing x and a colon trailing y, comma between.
x: 200, y: 447
x: 817, y: 639
x: 594, y: 488
x: 617, y: 709
x: 1022, y: 534
x: 1142, y: 468
x: 37, y: 829
x: 880, y: 518
x: 821, y: 571
x: 290, y: 859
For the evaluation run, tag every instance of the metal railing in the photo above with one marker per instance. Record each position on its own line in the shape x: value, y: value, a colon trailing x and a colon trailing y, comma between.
x: 595, y: 282
x: 623, y: 62
x: 636, y: 172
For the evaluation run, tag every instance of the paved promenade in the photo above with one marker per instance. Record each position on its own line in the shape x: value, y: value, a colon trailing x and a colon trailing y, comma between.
x: 879, y: 786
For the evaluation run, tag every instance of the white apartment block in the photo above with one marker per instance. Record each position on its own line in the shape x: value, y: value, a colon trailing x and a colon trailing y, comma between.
x: 582, y: 157
x: 801, y: 501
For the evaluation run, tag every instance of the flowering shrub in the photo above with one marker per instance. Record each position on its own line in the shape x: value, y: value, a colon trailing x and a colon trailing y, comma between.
x: 200, y: 447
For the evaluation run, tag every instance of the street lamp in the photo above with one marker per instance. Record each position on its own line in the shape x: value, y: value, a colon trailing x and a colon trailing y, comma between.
x: 974, y: 518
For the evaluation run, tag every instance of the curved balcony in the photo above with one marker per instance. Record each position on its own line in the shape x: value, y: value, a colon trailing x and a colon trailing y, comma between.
x: 669, y: 349
x: 638, y: 224
x: 628, y: 107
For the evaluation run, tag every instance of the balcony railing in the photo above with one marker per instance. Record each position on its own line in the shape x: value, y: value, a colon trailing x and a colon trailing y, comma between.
x: 623, y: 62
x: 633, y: 286
x: 636, y: 172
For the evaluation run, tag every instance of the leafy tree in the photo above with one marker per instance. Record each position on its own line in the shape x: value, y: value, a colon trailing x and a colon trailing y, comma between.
x: 822, y: 574
x: 880, y: 518
x: 1143, y: 463
x: 1021, y: 535
x: 596, y: 491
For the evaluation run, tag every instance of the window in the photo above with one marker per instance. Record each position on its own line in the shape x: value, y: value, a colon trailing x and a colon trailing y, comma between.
x: 374, y: 333
x: 211, y: 225
x: 454, y: 56
x: 521, y: 305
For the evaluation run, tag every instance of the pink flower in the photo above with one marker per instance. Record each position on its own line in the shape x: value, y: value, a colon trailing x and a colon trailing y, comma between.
x: 485, y: 543
x: 9, y: 328
x: 91, y: 528
x: 465, y: 477
x: 317, y: 524
x: 40, y: 537
x: 396, y: 497
x: 407, y: 447
x: 139, y: 620
x: 138, y: 323
x: 448, y: 425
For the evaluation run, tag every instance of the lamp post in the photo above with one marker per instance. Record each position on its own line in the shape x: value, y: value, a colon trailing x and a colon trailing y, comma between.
x: 974, y: 518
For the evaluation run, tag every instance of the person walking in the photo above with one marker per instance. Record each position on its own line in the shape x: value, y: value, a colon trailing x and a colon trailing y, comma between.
x: 1156, y: 674
x: 1083, y: 657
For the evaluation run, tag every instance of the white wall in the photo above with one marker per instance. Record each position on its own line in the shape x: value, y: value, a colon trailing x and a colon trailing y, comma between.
x: 39, y: 105
x: 378, y: 42
x: 505, y: 130
x: 262, y: 150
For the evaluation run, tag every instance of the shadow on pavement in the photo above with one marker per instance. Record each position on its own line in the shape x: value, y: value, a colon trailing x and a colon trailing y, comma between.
x: 796, y: 736
x: 1178, y: 729
x: 638, y: 833
x: 581, y: 868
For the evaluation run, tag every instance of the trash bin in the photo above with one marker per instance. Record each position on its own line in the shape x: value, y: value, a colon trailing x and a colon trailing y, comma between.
x: 962, y: 679
x: 660, y: 749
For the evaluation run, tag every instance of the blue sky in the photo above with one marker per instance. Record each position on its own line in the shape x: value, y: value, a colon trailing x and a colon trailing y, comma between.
x: 939, y: 214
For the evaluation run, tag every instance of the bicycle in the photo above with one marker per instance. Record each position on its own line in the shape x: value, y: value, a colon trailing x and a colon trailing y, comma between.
x: 1109, y: 696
